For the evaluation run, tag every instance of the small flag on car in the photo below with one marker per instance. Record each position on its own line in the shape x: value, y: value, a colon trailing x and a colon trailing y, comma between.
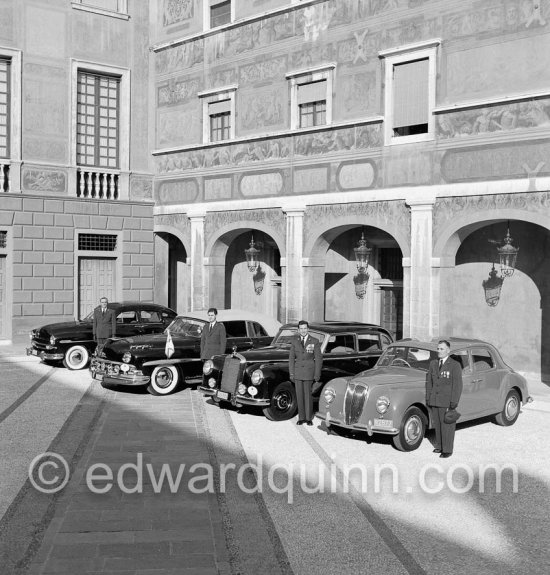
x: 169, y: 349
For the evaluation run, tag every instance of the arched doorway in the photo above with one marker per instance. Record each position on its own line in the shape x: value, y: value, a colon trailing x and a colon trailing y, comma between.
x: 233, y: 285
x: 374, y: 296
x: 172, y: 278
x: 518, y: 321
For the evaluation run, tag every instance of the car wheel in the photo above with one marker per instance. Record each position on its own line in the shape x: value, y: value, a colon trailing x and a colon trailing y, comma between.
x: 164, y: 380
x: 76, y: 357
x: 510, y: 411
x: 284, y: 404
x: 411, y: 431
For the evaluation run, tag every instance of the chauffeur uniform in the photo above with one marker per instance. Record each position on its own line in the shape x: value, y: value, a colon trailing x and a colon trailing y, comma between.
x: 443, y: 391
x: 213, y: 340
x: 104, y: 325
x: 305, y: 362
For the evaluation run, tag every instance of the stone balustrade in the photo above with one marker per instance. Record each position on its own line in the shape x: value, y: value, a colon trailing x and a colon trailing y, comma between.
x: 93, y: 183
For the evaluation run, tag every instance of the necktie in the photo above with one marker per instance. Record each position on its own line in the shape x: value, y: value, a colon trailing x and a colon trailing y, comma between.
x: 303, y: 342
x: 210, y: 329
x: 440, y: 363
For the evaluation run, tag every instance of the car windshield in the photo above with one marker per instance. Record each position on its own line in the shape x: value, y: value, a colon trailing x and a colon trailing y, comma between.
x: 284, y: 337
x: 405, y: 356
x: 185, y: 326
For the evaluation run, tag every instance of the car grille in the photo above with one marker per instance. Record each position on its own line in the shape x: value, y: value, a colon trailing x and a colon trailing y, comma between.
x: 231, y: 375
x: 356, y: 395
x: 107, y: 367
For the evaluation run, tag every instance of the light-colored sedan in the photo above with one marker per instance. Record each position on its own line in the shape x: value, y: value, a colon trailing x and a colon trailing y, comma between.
x: 390, y: 398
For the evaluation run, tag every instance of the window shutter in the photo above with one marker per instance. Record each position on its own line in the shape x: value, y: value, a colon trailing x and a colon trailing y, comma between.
x: 410, y: 93
x: 219, y: 107
x: 312, y: 92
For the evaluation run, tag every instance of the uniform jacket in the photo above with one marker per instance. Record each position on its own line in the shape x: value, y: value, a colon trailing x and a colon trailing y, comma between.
x: 444, y: 386
x: 305, y: 362
x: 104, y: 324
x: 213, y: 342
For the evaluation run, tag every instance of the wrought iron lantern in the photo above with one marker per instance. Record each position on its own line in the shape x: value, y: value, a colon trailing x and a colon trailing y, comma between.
x: 362, y: 253
x: 492, y: 287
x: 252, y: 254
x: 259, y: 278
x: 507, y: 254
x: 361, y: 280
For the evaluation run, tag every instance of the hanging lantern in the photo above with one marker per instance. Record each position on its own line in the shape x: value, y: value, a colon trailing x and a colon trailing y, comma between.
x: 362, y: 253
x: 259, y: 278
x: 361, y: 280
x: 508, y: 255
x: 252, y: 256
x: 492, y: 287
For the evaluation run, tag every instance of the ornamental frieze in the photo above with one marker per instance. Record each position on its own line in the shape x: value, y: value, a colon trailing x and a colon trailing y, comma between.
x: 447, y: 208
x: 274, y: 219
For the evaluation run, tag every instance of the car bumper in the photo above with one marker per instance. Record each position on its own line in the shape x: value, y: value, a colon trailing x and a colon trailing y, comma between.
x: 370, y: 426
x: 107, y: 376
x: 44, y: 354
x: 236, y: 399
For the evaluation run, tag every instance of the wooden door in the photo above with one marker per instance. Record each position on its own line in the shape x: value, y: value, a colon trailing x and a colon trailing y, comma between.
x: 96, y: 279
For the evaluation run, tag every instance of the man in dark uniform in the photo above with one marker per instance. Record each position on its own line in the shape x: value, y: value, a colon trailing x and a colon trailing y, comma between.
x: 213, y: 336
x: 104, y: 323
x: 305, y: 361
x: 443, y: 391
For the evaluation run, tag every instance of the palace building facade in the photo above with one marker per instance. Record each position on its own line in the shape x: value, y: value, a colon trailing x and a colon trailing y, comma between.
x: 385, y: 161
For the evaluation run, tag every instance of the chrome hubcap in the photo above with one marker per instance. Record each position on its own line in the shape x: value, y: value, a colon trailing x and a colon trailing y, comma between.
x: 512, y: 407
x: 282, y: 401
x: 164, y: 378
x: 413, y: 429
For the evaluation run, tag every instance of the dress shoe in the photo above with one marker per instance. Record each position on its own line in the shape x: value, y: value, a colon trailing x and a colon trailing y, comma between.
x: 309, y: 422
x: 445, y: 455
x: 437, y: 450
x: 300, y: 422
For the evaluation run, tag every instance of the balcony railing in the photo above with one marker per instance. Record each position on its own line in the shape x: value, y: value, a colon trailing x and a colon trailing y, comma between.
x: 97, y: 184
x: 5, y: 183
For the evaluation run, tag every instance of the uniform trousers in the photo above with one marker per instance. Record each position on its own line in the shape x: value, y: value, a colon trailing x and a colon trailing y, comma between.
x: 444, y: 432
x: 305, y: 399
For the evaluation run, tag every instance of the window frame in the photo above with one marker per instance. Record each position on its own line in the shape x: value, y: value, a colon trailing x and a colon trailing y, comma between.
x: 211, y: 97
x: 403, y: 55
x: 207, y: 11
x: 310, y: 76
x: 120, y: 12
x: 14, y: 127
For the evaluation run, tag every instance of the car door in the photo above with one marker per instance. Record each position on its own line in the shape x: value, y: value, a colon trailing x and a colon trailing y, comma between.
x: 151, y: 321
x: 370, y: 349
x: 257, y: 333
x: 128, y: 323
x: 341, y: 353
x: 486, y: 380
x: 237, y: 335
x: 467, y: 405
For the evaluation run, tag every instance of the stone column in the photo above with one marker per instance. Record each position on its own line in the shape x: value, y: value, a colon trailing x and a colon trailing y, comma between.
x: 420, y: 284
x: 293, y: 273
x: 162, y: 263
x: 198, y: 279
x: 314, y: 289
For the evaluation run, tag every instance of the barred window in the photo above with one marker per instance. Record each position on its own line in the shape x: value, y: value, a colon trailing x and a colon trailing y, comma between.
x: 4, y: 108
x: 3, y: 239
x: 97, y: 120
x: 97, y: 242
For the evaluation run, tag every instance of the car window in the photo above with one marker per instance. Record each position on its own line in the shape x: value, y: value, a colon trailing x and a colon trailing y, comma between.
x: 385, y: 339
x: 150, y: 316
x: 186, y: 326
x: 256, y: 330
x: 368, y: 341
x: 405, y: 356
x: 340, y: 343
x: 462, y: 357
x: 285, y: 336
x: 482, y: 360
x: 129, y: 316
x: 235, y: 328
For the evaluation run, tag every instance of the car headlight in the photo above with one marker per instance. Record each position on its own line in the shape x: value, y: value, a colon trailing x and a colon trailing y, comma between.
x: 241, y: 389
x: 382, y: 404
x: 127, y: 357
x: 124, y: 368
x: 257, y: 377
x: 252, y: 390
x: 329, y: 394
x: 52, y: 340
x: 208, y: 366
x: 211, y: 382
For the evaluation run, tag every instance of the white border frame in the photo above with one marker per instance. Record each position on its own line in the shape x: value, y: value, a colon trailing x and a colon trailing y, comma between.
x: 299, y: 77
x: 217, y: 95
x: 399, y: 56
x: 206, y: 15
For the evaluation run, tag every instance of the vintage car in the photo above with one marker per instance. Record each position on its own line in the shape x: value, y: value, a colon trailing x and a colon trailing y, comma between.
x: 143, y: 360
x: 260, y: 377
x: 390, y: 399
x: 72, y: 342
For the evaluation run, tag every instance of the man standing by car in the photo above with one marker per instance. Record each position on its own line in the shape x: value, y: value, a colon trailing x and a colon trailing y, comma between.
x: 104, y: 323
x: 305, y: 361
x: 443, y: 391
x: 213, y: 337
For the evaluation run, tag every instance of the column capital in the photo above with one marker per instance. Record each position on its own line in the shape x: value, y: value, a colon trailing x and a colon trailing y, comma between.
x: 196, y: 215
x: 423, y: 202
x: 294, y: 210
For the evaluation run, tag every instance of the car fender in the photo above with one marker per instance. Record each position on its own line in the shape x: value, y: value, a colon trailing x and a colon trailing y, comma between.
x: 178, y: 361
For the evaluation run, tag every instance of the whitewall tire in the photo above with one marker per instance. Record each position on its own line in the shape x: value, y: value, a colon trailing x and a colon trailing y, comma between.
x: 76, y: 357
x: 165, y: 379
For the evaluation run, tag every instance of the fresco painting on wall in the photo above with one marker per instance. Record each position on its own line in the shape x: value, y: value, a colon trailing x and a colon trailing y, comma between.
x: 176, y: 11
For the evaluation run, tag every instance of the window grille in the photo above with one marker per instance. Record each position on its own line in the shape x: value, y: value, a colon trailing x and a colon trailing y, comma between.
x: 97, y: 242
x: 3, y: 239
x: 4, y: 108
x: 97, y: 120
x: 220, y: 126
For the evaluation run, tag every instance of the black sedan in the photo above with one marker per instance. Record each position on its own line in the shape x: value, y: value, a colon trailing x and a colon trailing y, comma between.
x: 260, y: 377
x: 72, y: 342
